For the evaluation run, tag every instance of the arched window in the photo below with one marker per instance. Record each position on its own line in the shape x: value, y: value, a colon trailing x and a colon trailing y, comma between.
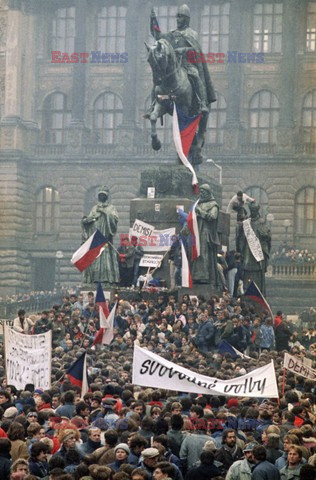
x: 108, y: 115
x: 63, y: 30
x: 305, y: 211
x: 261, y: 198
x: 263, y: 117
x: 216, y: 121
x: 111, y: 26
x: 47, y: 210
x: 56, y: 115
x: 309, y: 117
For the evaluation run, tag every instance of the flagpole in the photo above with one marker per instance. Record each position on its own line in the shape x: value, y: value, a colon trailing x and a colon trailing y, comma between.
x: 283, y: 381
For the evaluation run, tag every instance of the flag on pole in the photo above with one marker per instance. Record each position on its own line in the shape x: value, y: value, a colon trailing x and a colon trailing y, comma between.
x: 184, y: 129
x: 154, y: 25
x: 77, y: 374
x: 108, y: 334
x: 225, y: 347
x: 185, y: 272
x: 89, y: 251
x: 103, y: 314
x: 194, y: 230
x: 253, y: 292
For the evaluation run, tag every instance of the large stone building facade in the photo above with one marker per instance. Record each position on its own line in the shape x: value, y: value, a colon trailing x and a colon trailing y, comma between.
x: 67, y: 128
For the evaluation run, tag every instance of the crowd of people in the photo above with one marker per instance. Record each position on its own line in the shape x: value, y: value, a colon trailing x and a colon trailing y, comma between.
x: 291, y: 255
x: 120, y: 431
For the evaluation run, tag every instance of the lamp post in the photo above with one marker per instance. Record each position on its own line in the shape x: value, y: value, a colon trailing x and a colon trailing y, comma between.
x: 286, y: 225
x: 59, y: 256
x: 209, y: 160
x: 270, y: 219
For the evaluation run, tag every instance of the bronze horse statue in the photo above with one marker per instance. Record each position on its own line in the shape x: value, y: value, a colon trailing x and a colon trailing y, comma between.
x: 171, y: 82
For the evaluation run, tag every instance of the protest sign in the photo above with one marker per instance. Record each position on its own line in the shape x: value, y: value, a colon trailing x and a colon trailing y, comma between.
x: 151, y: 370
x: 141, y: 229
x: 152, y: 261
x: 253, y: 241
x: 296, y: 365
x: 159, y: 240
x: 28, y: 359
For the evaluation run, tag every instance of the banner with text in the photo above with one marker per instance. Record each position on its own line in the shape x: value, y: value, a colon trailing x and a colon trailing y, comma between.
x: 152, y: 261
x: 159, y: 240
x: 141, y: 229
x: 151, y: 370
x: 296, y: 365
x: 253, y: 241
x: 28, y: 359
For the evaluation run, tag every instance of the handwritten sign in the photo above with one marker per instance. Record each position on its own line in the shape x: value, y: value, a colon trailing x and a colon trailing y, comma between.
x: 152, y: 261
x: 151, y: 370
x: 28, y: 359
x: 295, y: 365
x: 141, y: 229
x: 253, y: 241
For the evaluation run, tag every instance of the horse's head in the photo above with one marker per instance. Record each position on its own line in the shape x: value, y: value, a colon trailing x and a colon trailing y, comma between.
x: 161, y: 58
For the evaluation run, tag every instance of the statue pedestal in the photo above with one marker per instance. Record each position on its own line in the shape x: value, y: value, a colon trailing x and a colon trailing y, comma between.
x: 173, y: 190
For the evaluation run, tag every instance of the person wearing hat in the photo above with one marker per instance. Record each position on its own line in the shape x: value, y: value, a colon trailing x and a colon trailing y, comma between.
x: 121, y: 451
x: 96, y: 412
x: 110, y: 417
x: 241, y: 470
x: 148, y: 461
x: 10, y: 413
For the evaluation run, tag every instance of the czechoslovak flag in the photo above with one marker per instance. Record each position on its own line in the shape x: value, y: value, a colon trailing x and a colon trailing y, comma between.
x: 186, y: 278
x: 103, y: 313
x: 77, y: 374
x: 194, y: 230
x: 184, y: 129
x: 89, y: 251
x: 108, y: 334
x: 253, y: 292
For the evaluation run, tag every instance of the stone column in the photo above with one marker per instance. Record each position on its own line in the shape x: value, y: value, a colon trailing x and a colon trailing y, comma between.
x: 127, y: 131
x: 240, y: 14
x: 76, y: 131
x: 288, y: 70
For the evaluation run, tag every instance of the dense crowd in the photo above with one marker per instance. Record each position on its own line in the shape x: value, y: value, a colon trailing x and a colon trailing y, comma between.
x: 299, y: 257
x: 120, y: 431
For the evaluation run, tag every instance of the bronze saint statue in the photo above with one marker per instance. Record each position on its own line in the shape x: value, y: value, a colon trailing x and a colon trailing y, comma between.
x: 177, y: 76
x: 254, y: 269
x: 103, y: 217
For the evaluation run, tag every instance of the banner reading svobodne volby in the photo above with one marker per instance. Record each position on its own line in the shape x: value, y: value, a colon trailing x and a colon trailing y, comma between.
x: 28, y: 359
x: 151, y: 370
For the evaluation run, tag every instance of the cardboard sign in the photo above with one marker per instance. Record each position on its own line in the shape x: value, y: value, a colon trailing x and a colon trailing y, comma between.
x: 152, y: 261
x: 141, y: 229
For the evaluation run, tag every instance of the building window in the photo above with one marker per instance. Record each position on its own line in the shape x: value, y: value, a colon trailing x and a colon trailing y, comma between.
x: 267, y: 27
x: 111, y: 28
x: 167, y: 17
x: 56, y: 115
x: 311, y: 27
x: 216, y: 121
x: 214, y: 28
x: 47, y: 211
x: 108, y: 115
x: 305, y: 211
x: 264, y: 117
x: 309, y: 117
x: 63, y: 30
x: 261, y: 198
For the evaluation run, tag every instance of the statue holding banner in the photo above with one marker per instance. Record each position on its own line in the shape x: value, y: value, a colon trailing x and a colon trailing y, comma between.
x: 255, y: 243
x: 204, y: 268
x: 103, y: 217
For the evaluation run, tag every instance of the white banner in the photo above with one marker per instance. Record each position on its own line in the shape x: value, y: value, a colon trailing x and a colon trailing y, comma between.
x: 253, y: 241
x: 152, y: 261
x: 141, y: 229
x: 28, y: 359
x: 159, y: 241
x: 151, y: 370
x: 295, y: 365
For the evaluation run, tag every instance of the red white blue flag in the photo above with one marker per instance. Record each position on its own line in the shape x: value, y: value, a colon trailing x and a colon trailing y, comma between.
x: 108, y: 334
x: 103, y: 313
x: 154, y: 25
x: 194, y: 230
x: 89, y: 251
x: 253, y: 292
x: 184, y: 129
x: 78, y: 375
x: 185, y: 272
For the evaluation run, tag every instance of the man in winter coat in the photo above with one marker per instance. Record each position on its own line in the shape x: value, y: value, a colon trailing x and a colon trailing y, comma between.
x: 229, y: 452
x: 263, y: 470
x: 205, y: 333
x: 241, y: 470
x: 205, y: 470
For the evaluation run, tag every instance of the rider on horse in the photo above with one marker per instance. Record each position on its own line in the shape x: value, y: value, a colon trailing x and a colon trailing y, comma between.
x: 183, y: 40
